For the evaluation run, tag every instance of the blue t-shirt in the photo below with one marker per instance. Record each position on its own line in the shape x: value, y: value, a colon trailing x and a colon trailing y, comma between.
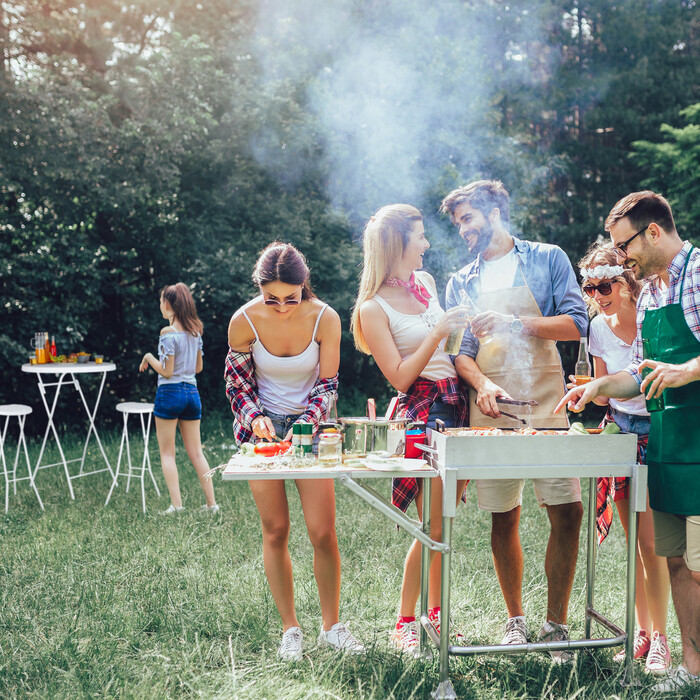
x: 548, y: 273
x: 184, y: 346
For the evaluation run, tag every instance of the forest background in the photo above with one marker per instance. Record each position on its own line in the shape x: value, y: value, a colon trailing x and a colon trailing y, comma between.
x: 148, y: 142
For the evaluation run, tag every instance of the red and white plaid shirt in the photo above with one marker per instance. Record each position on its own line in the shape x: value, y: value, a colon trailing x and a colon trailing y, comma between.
x: 242, y: 392
x: 415, y: 405
x: 653, y: 297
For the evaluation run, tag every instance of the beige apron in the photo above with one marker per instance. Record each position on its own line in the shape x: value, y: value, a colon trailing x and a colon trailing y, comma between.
x: 525, y: 367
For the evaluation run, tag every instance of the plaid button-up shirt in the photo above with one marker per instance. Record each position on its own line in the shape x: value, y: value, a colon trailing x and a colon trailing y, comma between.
x: 415, y: 405
x: 653, y: 297
x: 242, y: 392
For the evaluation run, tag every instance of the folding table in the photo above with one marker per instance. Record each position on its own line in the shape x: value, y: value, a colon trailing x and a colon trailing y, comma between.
x: 68, y: 373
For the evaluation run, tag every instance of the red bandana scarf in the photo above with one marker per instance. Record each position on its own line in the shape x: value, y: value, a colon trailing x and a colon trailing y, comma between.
x: 420, y: 293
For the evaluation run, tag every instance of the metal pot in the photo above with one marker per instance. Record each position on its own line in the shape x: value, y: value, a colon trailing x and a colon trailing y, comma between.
x: 362, y: 435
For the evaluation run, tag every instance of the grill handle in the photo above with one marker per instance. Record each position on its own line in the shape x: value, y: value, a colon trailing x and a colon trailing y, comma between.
x: 439, y: 425
x: 427, y: 448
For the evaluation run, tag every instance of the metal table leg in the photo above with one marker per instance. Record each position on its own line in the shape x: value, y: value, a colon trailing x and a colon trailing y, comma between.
x: 52, y: 428
x: 591, y: 552
x: 425, y: 570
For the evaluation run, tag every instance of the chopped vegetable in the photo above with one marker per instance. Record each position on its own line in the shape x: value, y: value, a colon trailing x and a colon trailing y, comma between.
x: 577, y: 429
x: 611, y: 429
x: 271, y: 449
x: 247, y: 448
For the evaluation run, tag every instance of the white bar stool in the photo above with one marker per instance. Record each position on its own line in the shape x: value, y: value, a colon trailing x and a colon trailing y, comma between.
x: 19, y: 411
x: 144, y: 411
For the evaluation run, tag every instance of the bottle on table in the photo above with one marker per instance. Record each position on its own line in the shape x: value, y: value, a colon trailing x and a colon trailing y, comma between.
x: 657, y: 403
x: 53, y: 348
x: 47, y: 347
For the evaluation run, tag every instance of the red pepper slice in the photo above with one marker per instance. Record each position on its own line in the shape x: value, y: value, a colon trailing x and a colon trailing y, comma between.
x: 271, y: 449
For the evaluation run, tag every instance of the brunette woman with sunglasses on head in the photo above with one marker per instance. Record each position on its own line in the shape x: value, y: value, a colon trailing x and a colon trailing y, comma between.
x: 611, y: 292
x: 282, y: 368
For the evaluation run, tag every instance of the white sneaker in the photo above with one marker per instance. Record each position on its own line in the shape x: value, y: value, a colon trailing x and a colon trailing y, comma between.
x: 679, y: 680
x: 516, y: 631
x: 339, y: 638
x: 172, y: 509
x: 210, y: 509
x: 405, y: 638
x: 556, y: 632
x: 291, y: 648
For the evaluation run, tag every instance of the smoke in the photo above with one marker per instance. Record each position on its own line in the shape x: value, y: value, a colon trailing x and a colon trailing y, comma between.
x: 400, y: 95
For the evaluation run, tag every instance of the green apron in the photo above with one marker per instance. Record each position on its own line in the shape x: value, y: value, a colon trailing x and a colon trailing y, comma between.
x: 673, y: 454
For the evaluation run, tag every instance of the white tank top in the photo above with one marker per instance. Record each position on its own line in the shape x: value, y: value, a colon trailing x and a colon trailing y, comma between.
x: 410, y: 330
x: 284, y: 383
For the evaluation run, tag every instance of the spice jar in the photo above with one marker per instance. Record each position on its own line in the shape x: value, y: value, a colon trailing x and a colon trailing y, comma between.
x: 330, y: 449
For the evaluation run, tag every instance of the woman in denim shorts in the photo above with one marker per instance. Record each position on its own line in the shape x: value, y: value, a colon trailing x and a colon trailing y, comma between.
x: 281, y: 368
x: 177, y: 398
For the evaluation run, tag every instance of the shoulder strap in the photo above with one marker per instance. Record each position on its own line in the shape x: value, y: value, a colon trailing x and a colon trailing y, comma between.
x: 250, y: 323
x: 318, y: 320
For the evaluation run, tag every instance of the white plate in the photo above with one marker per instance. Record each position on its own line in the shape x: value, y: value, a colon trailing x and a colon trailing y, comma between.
x: 390, y: 464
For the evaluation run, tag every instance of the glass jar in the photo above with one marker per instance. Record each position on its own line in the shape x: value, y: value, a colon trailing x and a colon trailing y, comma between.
x: 330, y: 449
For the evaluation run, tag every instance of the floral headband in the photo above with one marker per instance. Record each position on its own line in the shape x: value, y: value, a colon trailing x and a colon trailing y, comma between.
x: 601, y: 272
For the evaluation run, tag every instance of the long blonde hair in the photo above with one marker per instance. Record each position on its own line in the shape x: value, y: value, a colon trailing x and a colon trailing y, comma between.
x: 601, y: 253
x: 384, y: 241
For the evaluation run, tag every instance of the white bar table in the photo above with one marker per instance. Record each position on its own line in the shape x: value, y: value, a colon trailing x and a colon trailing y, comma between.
x: 67, y: 373
x: 530, y: 457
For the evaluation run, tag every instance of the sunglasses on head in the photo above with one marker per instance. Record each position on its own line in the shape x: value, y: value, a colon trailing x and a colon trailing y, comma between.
x: 604, y: 288
x: 276, y: 302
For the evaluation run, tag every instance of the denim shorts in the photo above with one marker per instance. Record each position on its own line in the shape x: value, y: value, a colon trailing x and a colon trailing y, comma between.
x: 175, y: 401
x: 446, y: 412
x: 631, y: 423
x: 283, y: 424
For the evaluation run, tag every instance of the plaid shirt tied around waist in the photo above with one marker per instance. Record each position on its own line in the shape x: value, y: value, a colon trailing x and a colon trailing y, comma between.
x: 415, y: 405
x: 242, y: 392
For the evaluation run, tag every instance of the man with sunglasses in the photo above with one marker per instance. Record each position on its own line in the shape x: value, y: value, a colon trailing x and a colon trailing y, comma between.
x: 645, y: 241
x: 528, y: 298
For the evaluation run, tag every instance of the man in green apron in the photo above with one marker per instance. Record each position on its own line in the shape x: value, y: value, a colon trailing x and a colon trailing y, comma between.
x: 527, y: 297
x: 643, y: 232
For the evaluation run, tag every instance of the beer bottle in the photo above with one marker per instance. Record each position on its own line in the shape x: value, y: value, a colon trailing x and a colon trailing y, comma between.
x: 582, y: 372
x: 657, y: 403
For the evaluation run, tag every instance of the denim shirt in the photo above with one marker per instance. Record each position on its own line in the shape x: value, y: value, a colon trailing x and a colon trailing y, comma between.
x: 545, y: 269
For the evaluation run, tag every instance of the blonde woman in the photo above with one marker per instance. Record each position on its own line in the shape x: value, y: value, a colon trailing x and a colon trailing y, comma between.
x: 398, y: 320
x: 611, y: 292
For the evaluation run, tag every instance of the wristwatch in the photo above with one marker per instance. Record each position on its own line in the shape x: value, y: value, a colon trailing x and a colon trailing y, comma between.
x: 516, y: 325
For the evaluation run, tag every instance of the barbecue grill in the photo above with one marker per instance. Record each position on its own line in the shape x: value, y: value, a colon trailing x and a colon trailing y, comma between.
x: 465, y: 454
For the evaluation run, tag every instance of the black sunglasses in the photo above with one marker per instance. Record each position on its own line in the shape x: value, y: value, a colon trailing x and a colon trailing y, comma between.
x: 605, y: 288
x: 275, y: 302
x: 621, y: 249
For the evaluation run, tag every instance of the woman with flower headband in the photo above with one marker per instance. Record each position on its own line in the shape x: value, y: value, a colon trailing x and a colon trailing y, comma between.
x: 282, y: 368
x: 611, y: 292
x: 398, y: 320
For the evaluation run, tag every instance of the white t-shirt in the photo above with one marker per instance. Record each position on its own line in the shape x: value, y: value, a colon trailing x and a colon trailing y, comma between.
x: 498, y: 274
x: 616, y: 354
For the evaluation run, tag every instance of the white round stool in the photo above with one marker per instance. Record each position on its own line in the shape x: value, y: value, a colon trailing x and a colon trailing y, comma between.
x: 144, y: 412
x: 19, y: 411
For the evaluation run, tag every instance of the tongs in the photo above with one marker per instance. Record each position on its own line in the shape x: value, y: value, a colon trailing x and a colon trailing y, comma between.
x: 514, y: 417
x: 516, y: 402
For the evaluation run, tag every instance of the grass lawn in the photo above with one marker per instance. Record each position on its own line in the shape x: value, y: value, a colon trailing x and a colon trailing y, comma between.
x: 109, y: 602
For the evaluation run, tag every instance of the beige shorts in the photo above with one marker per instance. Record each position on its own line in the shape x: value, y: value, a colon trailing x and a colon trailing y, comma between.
x: 678, y: 536
x: 502, y: 495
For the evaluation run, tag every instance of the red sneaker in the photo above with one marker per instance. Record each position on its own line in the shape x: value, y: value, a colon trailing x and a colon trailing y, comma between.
x: 641, y: 647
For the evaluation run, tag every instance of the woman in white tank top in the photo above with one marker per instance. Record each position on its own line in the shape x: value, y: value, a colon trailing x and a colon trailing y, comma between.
x: 282, y: 367
x: 398, y: 320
